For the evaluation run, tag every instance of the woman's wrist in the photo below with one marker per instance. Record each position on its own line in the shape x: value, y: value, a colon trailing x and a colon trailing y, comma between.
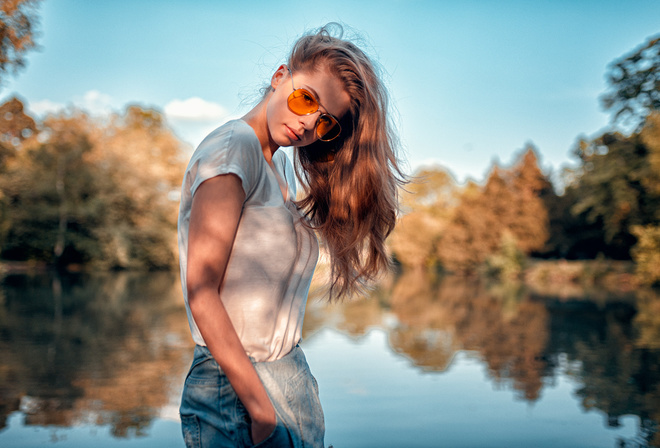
x: 263, y: 413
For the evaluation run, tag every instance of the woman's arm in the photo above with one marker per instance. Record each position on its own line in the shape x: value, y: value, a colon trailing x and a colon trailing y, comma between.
x: 216, y: 210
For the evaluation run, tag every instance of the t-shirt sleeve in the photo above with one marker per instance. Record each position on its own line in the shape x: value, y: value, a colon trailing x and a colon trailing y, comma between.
x: 230, y: 149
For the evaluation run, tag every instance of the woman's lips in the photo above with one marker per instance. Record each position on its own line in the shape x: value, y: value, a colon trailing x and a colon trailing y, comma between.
x: 292, y: 134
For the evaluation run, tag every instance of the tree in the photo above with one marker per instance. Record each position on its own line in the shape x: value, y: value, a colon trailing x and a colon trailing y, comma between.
x: 18, y: 23
x: 15, y: 128
x: 619, y: 184
x: 529, y: 225
x: 103, y: 193
x: 571, y: 235
x: 427, y: 203
x: 141, y: 167
x: 635, y: 84
x: 507, y: 207
x: 646, y: 254
x: 650, y: 137
x: 51, y: 195
x: 475, y: 230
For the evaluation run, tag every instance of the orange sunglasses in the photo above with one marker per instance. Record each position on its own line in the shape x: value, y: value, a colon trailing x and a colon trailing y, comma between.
x: 302, y: 102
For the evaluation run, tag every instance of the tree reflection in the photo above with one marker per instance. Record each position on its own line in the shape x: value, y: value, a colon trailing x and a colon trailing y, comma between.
x: 113, y: 350
x: 105, y: 348
x: 610, y: 346
x: 609, y: 353
x: 508, y: 331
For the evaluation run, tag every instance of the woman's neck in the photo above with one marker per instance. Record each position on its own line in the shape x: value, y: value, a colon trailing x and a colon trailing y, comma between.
x: 258, y: 121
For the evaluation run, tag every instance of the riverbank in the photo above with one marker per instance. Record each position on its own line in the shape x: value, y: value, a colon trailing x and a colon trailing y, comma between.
x: 22, y: 267
x: 564, y: 276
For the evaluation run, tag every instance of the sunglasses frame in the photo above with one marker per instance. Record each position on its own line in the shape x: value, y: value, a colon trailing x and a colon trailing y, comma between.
x: 318, y: 106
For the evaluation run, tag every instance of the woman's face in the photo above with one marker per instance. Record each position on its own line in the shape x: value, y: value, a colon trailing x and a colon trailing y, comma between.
x: 288, y: 129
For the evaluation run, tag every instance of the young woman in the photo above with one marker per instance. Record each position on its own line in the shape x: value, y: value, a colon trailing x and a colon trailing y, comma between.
x: 248, y: 248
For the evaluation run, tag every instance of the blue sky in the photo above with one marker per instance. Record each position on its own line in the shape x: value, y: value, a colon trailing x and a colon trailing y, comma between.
x: 473, y: 81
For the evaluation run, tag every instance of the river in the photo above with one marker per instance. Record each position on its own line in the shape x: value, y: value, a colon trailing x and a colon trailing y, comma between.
x: 99, y: 360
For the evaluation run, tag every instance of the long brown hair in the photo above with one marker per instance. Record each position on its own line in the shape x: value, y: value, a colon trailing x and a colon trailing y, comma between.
x: 351, y: 183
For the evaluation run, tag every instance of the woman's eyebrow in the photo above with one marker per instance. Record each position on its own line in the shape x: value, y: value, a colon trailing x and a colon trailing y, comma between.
x: 316, y: 95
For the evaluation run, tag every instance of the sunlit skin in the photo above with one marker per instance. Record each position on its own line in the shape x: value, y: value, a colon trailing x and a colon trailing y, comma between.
x: 215, y: 214
x: 276, y: 126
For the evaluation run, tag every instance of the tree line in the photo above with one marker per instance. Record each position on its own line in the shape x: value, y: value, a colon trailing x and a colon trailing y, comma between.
x: 610, y: 206
x: 78, y: 190
x: 83, y: 190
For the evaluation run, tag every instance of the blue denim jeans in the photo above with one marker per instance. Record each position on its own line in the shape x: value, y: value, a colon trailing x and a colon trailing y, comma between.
x: 213, y: 416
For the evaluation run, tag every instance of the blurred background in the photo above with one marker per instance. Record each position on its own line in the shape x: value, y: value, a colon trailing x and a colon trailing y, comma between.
x: 524, y: 307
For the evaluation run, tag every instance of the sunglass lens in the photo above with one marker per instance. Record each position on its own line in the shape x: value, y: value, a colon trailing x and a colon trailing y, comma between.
x: 327, y: 128
x: 302, y: 102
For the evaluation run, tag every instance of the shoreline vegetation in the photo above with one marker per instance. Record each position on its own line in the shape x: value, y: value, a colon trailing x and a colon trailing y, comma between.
x: 568, y: 279
x: 89, y: 193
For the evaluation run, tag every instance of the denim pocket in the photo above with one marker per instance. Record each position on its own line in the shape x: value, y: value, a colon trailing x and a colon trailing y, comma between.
x: 303, y: 399
x: 279, y: 438
x: 204, y: 371
x: 191, y: 431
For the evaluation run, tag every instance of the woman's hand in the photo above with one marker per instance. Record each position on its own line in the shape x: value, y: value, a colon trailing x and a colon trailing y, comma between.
x: 260, y: 430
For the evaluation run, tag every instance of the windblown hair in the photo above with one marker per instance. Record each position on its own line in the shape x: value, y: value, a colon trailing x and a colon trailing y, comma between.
x: 351, y: 183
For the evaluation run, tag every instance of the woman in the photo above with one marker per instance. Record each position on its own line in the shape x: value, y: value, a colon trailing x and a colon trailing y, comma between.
x: 248, y: 249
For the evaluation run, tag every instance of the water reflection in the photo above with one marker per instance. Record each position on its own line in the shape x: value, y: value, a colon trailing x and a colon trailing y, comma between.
x: 95, y: 350
x: 112, y: 350
x: 609, y: 345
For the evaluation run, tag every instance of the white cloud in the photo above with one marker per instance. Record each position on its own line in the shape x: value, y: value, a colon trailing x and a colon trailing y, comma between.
x: 195, y: 109
x: 95, y: 102
x: 44, y: 107
x: 193, y: 118
x: 92, y: 101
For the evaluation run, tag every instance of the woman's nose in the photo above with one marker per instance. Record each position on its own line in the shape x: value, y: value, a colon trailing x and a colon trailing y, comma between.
x: 309, y: 121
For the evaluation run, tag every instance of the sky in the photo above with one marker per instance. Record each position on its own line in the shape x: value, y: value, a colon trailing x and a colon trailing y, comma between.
x: 471, y: 82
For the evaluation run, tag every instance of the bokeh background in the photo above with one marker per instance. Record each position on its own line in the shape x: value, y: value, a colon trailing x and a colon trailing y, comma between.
x: 523, y: 307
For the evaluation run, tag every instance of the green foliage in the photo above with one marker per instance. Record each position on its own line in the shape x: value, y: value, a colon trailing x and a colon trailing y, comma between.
x: 646, y: 254
x: 508, y: 263
x: 635, y: 84
x: 84, y: 192
x: 618, y: 185
x: 51, y: 191
x: 15, y: 128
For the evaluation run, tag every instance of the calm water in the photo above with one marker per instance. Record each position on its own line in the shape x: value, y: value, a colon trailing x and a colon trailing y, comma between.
x: 100, y: 361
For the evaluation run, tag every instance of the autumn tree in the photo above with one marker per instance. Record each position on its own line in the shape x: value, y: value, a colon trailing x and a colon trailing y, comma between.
x: 472, y: 233
x: 646, y: 252
x: 15, y: 127
x: 507, y: 206
x: 95, y: 192
x: 51, y: 195
x: 427, y: 204
x: 141, y: 167
x: 529, y: 224
x: 18, y: 23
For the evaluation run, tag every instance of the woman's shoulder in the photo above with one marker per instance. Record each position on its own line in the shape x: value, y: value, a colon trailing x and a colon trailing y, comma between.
x: 234, y: 141
x: 232, y: 133
x: 230, y: 148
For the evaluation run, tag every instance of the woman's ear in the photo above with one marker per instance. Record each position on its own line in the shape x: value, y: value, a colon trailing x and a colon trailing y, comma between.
x: 278, y: 76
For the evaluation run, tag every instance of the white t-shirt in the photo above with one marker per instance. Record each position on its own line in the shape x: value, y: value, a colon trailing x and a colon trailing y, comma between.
x: 274, y: 254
